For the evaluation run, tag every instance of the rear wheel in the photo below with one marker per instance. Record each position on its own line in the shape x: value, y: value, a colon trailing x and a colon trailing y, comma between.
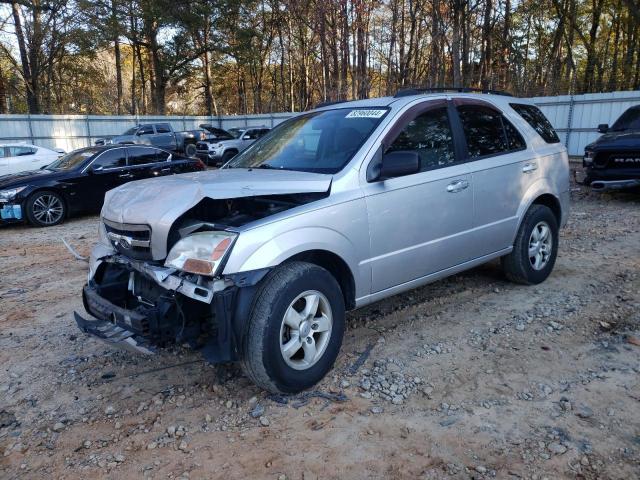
x: 535, y: 249
x: 45, y: 209
x: 190, y: 150
x: 295, y: 328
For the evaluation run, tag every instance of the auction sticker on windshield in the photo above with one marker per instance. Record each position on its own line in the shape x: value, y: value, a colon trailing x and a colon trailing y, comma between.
x: 366, y: 114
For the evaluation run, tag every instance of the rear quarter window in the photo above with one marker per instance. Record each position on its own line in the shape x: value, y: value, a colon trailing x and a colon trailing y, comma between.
x: 537, y: 120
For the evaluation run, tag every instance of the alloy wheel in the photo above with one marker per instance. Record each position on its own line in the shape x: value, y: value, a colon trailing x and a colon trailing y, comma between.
x: 305, y: 330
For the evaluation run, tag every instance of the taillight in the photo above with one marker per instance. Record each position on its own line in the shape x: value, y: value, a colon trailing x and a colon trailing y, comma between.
x: 201, y: 165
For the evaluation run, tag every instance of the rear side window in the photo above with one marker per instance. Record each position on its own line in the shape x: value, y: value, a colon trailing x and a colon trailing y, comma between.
x: 514, y: 139
x: 537, y: 120
x: 483, y: 131
x: 430, y: 136
x: 145, y: 155
x: 163, y: 128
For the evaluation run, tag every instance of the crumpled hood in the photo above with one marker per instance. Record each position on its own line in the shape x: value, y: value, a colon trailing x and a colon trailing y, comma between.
x: 158, y: 202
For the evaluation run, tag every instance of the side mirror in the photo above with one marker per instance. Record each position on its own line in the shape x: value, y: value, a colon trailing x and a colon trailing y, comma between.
x: 247, y: 137
x: 97, y: 169
x: 138, y: 133
x: 603, y: 127
x: 399, y: 163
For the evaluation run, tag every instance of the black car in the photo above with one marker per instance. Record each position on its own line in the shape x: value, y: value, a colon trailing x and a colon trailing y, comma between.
x: 613, y: 161
x: 76, y: 182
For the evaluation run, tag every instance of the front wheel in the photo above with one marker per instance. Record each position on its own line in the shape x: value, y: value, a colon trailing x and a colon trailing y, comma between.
x: 45, y: 209
x: 190, y: 150
x: 295, y: 328
x: 535, y: 249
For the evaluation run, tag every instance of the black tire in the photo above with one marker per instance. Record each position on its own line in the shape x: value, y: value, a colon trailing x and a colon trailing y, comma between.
x: 262, y: 359
x: 34, y: 208
x: 190, y: 150
x: 518, y: 266
x: 227, y: 156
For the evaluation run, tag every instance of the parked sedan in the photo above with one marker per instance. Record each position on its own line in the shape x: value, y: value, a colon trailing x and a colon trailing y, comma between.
x: 77, y: 182
x: 18, y: 157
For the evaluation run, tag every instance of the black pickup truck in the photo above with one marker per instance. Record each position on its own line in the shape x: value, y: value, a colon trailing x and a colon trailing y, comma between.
x: 612, y: 162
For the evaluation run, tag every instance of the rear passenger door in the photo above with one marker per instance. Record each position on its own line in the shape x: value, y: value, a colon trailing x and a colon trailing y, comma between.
x: 144, y: 163
x: 501, y: 169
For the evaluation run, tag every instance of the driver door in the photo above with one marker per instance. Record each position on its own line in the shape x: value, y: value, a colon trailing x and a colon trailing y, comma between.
x: 419, y: 224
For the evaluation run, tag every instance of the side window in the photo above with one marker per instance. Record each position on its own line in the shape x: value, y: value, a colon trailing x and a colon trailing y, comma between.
x: 483, y: 130
x: 252, y: 134
x: 263, y: 132
x: 431, y: 137
x: 114, y: 158
x: 514, y: 139
x: 143, y: 155
x: 537, y: 120
x: 163, y: 128
x: 21, y: 151
x: 145, y: 130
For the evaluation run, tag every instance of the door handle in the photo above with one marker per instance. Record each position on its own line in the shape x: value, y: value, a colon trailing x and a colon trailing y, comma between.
x: 125, y: 175
x: 529, y: 167
x: 457, y: 186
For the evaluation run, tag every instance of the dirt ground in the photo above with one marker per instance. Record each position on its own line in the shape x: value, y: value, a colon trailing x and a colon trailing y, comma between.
x: 470, y: 377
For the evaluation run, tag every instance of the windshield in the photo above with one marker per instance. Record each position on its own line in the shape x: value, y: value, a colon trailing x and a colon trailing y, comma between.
x: 319, y: 142
x: 629, y: 120
x: 235, y: 132
x: 131, y: 131
x: 73, y: 159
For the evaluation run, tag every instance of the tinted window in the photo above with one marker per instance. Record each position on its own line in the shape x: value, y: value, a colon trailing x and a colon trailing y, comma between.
x: 537, y: 120
x: 483, y: 131
x: 145, y: 130
x: 252, y: 134
x: 514, y: 139
x: 144, y: 155
x: 111, y: 159
x: 430, y: 136
x: 629, y: 120
x: 21, y: 151
x: 163, y: 128
x: 263, y: 131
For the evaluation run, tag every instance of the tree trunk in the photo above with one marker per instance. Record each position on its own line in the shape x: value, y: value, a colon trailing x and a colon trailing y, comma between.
x: 32, y: 99
x: 455, y: 44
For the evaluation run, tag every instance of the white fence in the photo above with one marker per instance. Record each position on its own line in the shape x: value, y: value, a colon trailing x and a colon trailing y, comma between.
x: 575, y: 118
x: 76, y: 131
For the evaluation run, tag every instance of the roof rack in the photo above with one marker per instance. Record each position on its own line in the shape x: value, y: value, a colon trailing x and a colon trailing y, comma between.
x: 406, y: 92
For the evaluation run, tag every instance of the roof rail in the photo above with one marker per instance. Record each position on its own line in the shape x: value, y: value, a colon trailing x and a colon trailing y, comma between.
x: 406, y: 92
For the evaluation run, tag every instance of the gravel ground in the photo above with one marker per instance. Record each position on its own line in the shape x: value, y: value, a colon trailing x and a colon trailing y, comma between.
x: 470, y: 377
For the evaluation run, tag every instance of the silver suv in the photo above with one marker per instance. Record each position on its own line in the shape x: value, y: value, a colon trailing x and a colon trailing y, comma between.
x: 332, y: 210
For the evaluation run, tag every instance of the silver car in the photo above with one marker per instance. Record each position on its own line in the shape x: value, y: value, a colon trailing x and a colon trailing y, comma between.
x: 332, y: 210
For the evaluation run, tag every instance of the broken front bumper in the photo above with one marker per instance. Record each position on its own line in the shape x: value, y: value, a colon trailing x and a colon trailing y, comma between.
x: 139, y: 306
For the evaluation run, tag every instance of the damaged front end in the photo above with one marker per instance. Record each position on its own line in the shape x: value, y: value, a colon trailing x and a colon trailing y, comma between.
x: 141, y: 303
x: 139, y: 306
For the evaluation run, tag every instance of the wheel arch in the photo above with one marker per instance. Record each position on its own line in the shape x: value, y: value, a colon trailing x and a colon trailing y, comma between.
x: 336, y: 266
x: 540, y: 193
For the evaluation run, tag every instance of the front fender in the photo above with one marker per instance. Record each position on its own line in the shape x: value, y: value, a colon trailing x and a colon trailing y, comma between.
x: 283, y: 246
